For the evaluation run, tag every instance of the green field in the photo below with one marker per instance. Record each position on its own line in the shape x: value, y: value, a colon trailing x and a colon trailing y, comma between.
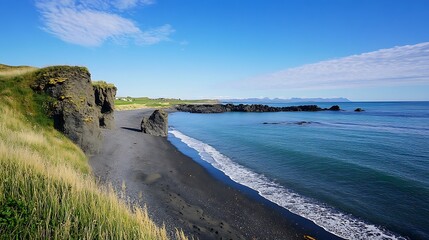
x: 127, y: 103
x: 47, y: 190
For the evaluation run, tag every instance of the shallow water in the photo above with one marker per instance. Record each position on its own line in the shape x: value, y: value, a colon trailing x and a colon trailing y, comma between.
x: 358, y: 175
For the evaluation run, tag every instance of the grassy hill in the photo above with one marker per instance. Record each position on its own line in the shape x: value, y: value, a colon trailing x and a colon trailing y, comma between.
x: 128, y: 103
x: 47, y: 190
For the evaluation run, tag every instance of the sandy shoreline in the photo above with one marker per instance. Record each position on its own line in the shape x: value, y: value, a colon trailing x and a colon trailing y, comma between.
x: 180, y: 193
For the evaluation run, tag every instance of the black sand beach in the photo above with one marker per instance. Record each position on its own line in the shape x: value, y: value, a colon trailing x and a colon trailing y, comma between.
x: 180, y: 193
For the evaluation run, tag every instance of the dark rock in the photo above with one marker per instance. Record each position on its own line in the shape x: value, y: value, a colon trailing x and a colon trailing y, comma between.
x: 73, y: 107
x: 335, y: 108
x: 156, y: 124
x: 288, y: 123
x: 105, y: 100
x: 220, y: 108
x: 202, y: 108
x: 359, y: 110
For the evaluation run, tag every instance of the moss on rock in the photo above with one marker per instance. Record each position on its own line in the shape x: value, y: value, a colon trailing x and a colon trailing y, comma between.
x: 73, y: 111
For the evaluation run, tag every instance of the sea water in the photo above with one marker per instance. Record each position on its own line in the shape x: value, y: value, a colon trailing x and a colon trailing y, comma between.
x: 359, y: 175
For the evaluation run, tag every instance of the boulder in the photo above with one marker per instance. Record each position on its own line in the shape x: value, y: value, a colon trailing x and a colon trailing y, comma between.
x: 156, y: 124
x: 335, y: 108
x: 359, y: 110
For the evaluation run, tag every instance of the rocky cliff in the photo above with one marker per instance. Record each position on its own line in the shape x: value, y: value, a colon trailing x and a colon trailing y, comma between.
x: 72, y: 104
x: 220, y: 108
x: 105, y: 99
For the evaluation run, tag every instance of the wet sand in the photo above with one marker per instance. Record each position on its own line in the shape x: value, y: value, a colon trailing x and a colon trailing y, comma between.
x: 180, y: 193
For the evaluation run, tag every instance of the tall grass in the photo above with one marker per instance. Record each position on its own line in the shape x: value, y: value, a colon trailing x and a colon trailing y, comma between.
x: 47, y: 190
x: 14, y: 71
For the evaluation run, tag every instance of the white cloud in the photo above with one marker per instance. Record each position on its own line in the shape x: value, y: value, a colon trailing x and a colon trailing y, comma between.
x: 92, y: 22
x: 394, y: 66
x: 126, y: 4
x: 156, y: 35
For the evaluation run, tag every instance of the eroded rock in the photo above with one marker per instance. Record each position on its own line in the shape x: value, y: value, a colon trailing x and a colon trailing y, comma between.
x: 156, y: 124
x: 72, y: 104
x: 104, y: 94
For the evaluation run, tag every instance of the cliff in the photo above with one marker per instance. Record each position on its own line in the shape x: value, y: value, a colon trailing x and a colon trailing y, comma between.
x: 73, y: 105
x: 105, y: 100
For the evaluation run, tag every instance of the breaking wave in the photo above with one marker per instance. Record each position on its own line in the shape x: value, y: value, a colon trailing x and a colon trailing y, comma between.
x: 336, y: 222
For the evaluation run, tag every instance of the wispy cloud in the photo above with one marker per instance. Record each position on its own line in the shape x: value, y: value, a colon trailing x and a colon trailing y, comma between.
x: 92, y: 22
x: 126, y: 4
x: 394, y: 66
x: 156, y: 35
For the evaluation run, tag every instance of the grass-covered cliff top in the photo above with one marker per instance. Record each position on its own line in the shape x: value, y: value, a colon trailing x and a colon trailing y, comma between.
x: 128, y: 103
x: 47, y: 190
x: 103, y: 84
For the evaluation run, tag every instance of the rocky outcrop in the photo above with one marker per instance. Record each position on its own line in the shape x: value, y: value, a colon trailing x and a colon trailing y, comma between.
x: 289, y: 123
x: 105, y: 100
x: 71, y: 104
x: 334, y: 108
x: 156, y: 124
x: 221, y: 108
x: 203, y: 108
x: 359, y: 110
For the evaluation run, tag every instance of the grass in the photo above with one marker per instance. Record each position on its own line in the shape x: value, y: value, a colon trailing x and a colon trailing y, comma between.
x: 47, y: 190
x: 129, y: 103
x: 6, y: 70
x: 103, y: 84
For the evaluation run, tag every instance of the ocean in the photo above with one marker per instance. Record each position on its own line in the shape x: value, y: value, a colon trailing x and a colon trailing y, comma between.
x: 359, y: 175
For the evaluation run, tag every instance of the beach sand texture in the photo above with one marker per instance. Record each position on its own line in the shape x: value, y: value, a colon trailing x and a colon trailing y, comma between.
x: 177, y: 191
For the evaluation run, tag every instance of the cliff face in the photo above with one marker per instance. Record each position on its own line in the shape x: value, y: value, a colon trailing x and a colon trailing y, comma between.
x: 105, y: 100
x: 72, y: 104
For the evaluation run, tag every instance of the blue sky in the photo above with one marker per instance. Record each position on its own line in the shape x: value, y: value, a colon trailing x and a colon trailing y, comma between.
x: 362, y: 49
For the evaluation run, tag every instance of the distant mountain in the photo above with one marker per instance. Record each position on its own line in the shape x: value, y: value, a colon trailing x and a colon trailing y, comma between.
x: 280, y: 100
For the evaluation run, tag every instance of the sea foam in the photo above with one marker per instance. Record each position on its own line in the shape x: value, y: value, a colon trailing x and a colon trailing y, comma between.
x: 336, y: 222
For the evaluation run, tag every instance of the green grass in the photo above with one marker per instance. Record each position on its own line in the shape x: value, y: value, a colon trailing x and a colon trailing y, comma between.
x: 16, y: 93
x: 103, y: 84
x: 126, y: 103
x: 47, y: 190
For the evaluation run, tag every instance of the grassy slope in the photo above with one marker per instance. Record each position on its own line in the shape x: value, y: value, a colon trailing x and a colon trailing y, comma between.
x: 144, y: 102
x: 46, y: 188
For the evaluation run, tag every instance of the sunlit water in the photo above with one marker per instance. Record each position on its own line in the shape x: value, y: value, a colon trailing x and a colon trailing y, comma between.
x: 359, y: 175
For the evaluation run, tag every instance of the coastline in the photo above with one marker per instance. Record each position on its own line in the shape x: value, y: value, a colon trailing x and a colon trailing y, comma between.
x: 179, y: 192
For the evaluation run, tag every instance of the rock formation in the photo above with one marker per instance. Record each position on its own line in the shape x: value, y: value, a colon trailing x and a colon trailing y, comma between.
x: 359, y: 110
x: 221, y: 108
x: 335, y: 108
x: 105, y: 100
x: 156, y: 124
x: 72, y: 104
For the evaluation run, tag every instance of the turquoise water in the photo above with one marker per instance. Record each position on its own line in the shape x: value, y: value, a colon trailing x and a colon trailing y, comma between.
x: 358, y: 175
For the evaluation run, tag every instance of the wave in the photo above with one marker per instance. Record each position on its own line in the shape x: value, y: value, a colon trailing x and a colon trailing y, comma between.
x: 338, y: 223
x: 381, y: 126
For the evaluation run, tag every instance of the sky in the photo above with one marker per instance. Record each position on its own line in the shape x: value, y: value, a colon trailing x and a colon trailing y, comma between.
x: 364, y: 50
